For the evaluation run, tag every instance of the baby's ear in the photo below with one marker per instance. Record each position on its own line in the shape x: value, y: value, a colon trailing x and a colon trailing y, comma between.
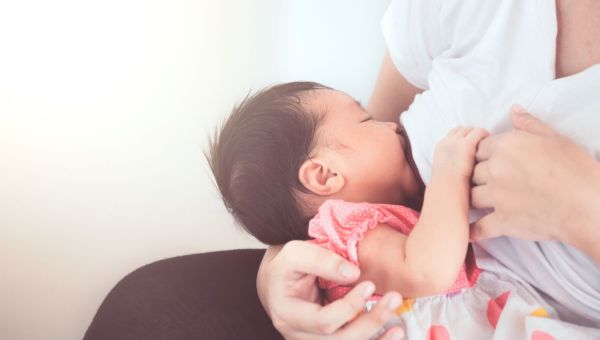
x: 319, y: 178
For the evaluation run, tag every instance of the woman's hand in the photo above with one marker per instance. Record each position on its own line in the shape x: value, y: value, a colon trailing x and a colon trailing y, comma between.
x: 287, y: 288
x: 541, y: 185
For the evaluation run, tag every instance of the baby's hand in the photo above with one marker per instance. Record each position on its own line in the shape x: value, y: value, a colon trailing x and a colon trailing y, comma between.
x: 456, y: 152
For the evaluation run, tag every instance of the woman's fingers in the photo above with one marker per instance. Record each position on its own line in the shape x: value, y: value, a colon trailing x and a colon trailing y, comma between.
x: 524, y: 121
x: 312, y: 318
x: 300, y: 263
x: 395, y: 333
x: 368, y: 324
x: 481, y: 198
x: 309, y: 258
x: 486, y: 147
x: 333, y: 316
x: 298, y: 315
x: 480, y: 173
x: 489, y: 226
x: 328, y: 319
x: 327, y: 322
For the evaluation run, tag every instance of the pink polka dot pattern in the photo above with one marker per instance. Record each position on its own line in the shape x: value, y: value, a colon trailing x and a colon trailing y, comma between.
x: 437, y: 332
x: 539, y: 335
x: 340, y: 225
x: 495, y: 308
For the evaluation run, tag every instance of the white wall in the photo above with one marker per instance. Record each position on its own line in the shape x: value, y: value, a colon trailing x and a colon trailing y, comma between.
x: 105, y: 109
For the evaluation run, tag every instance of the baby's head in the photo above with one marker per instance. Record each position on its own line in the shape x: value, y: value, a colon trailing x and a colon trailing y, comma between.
x: 285, y: 150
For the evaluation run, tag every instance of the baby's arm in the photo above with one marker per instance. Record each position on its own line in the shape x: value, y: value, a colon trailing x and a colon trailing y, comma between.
x: 428, y: 260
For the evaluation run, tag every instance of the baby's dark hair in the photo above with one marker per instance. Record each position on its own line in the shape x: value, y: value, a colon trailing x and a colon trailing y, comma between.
x: 256, y: 156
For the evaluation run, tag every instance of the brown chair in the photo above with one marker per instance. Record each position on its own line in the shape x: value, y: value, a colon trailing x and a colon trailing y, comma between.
x: 202, y: 296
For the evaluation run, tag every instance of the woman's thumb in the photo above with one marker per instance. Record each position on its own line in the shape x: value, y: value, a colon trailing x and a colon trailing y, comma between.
x: 524, y: 121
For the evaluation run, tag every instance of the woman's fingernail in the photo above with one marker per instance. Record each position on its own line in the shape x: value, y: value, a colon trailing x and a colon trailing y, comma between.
x: 349, y: 271
x: 518, y: 109
x: 394, y: 302
x: 368, y: 290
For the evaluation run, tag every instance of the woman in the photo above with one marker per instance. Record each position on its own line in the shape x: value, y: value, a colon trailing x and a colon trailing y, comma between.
x: 551, y: 206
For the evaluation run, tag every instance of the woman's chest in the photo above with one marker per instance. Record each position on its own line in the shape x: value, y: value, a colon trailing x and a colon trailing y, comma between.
x: 578, y: 39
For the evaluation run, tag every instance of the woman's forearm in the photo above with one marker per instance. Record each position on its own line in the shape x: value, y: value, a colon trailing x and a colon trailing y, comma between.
x: 261, y: 285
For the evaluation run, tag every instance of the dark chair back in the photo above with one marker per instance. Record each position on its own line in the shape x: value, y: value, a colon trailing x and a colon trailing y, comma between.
x: 202, y: 296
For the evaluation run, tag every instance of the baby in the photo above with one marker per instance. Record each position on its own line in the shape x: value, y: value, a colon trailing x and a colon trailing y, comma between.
x: 301, y: 161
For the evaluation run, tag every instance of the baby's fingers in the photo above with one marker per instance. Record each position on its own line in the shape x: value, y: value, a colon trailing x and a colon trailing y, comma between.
x: 460, y: 131
x: 476, y: 135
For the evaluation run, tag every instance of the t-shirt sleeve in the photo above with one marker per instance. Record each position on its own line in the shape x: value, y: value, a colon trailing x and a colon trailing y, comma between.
x: 417, y: 32
x: 411, y: 29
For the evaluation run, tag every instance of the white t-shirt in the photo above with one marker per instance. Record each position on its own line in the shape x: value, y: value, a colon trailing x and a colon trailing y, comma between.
x: 475, y: 59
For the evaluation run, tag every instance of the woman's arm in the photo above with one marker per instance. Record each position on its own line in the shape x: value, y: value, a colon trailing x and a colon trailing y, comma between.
x: 392, y: 95
x: 541, y: 185
x: 287, y: 288
x: 428, y: 261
